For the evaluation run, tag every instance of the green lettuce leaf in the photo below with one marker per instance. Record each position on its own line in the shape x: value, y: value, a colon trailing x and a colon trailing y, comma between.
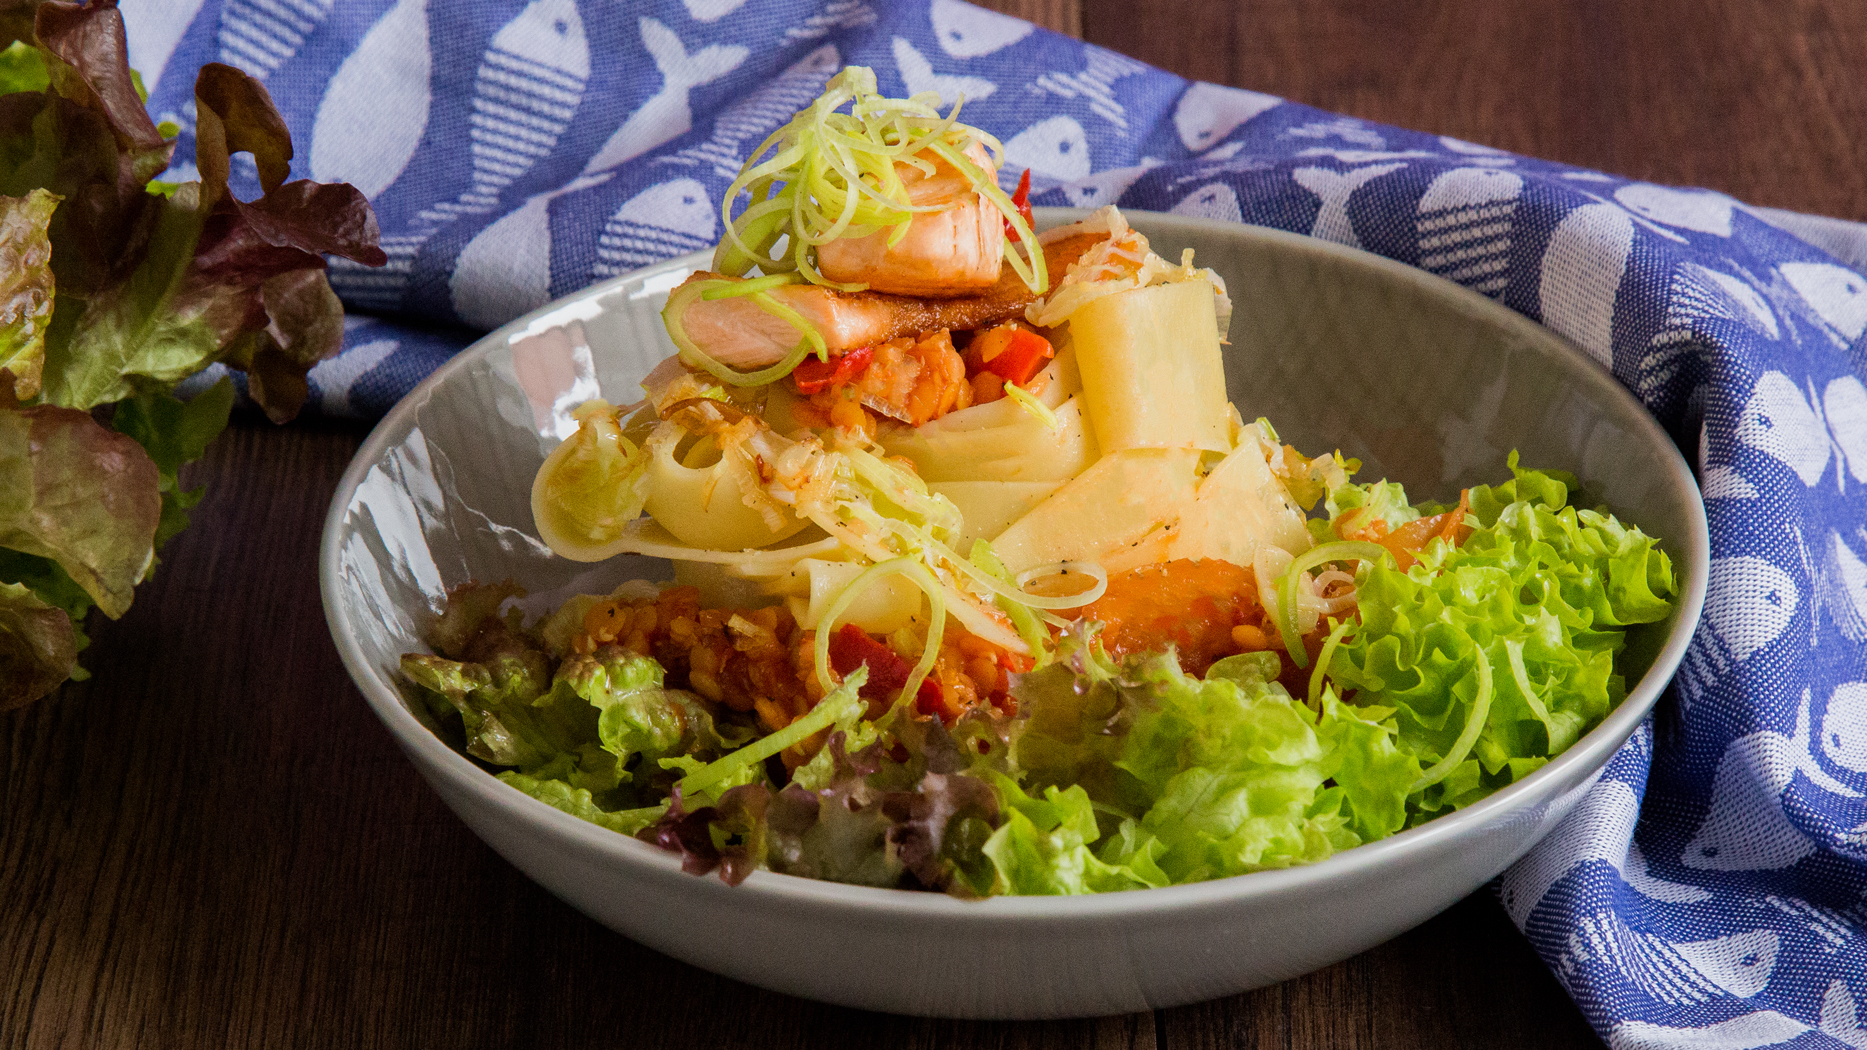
x: 580, y: 803
x: 1540, y: 595
x: 1352, y: 507
x: 78, y: 494
x: 55, y: 587
x: 22, y: 68
x: 1043, y: 845
x: 175, y: 433
x: 26, y: 287
x: 1193, y: 778
x: 38, y: 649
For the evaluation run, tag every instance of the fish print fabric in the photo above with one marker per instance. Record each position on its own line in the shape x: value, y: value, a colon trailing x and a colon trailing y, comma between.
x: 1709, y: 889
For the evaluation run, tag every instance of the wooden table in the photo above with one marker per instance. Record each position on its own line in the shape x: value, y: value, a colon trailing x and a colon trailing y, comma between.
x: 213, y: 843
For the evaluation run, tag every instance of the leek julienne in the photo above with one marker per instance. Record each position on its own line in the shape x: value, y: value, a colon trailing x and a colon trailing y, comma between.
x: 831, y: 175
x: 688, y: 294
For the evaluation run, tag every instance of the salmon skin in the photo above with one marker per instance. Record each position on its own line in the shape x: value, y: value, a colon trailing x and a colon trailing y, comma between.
x: 737, y: 333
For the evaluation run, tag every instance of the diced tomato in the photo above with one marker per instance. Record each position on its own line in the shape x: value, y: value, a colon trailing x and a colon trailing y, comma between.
x: 1411, y: 538
x: 851, y: 647
x: 813, y: 375
x: 1022, y: 199
x: 1017, y: 354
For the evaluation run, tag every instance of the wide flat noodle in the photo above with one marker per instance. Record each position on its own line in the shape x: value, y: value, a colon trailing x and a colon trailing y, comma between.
x: 1113, y: 504
x: 645, y: 537
x: 1152, y: 372
x: 1001, y: 440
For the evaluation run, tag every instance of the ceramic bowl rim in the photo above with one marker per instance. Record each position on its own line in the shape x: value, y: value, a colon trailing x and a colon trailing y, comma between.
x: 1582, y: 760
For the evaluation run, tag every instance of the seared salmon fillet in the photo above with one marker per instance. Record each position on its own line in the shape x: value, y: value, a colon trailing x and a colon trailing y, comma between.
x: 953, y: 252
x: 737, y: 333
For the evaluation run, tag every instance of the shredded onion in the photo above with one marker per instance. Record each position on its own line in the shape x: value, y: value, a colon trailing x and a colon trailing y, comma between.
x: 1286, y: 609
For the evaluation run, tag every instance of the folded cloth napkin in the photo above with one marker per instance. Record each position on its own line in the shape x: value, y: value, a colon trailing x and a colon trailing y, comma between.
x: 1709, y: 890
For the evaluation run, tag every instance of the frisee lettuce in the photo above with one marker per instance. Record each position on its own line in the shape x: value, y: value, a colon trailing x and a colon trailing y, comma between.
x: 1544, y: 591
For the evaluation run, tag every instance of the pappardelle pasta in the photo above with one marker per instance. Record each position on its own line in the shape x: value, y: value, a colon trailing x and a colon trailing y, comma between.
x: 981, y: 585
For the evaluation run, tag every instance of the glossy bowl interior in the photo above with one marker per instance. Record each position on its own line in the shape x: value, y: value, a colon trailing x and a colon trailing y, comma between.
x: 1428, y: 383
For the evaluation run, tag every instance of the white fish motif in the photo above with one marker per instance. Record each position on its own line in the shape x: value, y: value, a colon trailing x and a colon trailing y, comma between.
x: 1801, y: 432
x: 1056, y: 150
x: 1105, y: 187
x: 1726, y: 483
x: 1348, y: 129
x: 1696, y: 295
x: 1844, y: 727
x: 666, y: 115
x: 1745, y: 827
x: 658, y: 223
x: 965, y: 31
x: 1676, y: 974
x: 1464, y: 227
x: 154, y: 28
x: 1217, y: 201
x: 1581, y: 275
x: 1840, y: 1019
x: 1476, y: 154
x: 1207, y: 113
x: 1749, y: 602
x: 711, y: 10
x: 259, y: 36
x: 1096, y: 83
x: 1740, y: 964
x: 746, y: 123
x: 336, y: 378
x: 1836, y: 293
x: 1843, y: 588
x: 525, y: 91
x: 374, y: 113
x: 505, y: 271
x: 1700, y: 210
x: 1747, y: 1032
x: 1334, y: 188
x: 918, y: 74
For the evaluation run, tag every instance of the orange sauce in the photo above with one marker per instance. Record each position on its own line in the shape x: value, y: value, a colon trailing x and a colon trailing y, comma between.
x: 1190, y: 605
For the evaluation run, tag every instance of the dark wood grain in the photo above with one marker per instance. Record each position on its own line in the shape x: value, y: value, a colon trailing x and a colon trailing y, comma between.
x: 213, y: 843
x: 1762, y: 99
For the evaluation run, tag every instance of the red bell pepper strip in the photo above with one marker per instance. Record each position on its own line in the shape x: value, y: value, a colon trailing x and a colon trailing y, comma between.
x: 1024, y: 355
x: 813, y: 375
x: 1022, y: 199
x: 851, y: 647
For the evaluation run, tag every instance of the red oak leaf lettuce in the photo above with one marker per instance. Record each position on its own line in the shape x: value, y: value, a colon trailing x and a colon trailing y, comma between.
x: 113, y: 289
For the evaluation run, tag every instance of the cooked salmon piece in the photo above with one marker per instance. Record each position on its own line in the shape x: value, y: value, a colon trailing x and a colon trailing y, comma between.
x: 953, y: 252
x: 737, y: 333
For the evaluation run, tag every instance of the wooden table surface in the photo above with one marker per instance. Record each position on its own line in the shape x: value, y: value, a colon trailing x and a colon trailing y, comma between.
x: 213, y: 843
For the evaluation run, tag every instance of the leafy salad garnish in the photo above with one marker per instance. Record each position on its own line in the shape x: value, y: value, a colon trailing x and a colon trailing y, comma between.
x: 1450, y: 680
x: 115, y: 287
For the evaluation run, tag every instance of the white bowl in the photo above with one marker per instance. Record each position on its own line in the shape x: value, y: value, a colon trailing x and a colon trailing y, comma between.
x: 1428, y: 383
